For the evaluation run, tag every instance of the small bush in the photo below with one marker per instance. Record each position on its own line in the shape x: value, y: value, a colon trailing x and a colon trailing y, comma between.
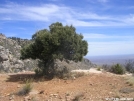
x: 117, y: 69
x: 26, y: 89
x: 99, y: 69
x: 107, y: 67
x: 38, y: 72
x: 64, y: 72
x: 129, y: 65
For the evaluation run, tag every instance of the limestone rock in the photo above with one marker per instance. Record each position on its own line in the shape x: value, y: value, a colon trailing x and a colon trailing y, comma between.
x: 10, y: 56
x: 3, y: 57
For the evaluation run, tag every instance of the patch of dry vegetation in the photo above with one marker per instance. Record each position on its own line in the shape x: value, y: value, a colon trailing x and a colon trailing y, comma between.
x: 26, y: 89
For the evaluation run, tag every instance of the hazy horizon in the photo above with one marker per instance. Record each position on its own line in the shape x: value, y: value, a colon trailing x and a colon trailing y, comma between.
x: 110, y: 59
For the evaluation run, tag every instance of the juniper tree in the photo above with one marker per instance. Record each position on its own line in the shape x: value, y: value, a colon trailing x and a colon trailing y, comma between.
x: 59, y: 42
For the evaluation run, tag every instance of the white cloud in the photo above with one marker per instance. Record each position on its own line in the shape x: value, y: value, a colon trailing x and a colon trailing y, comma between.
x: 104, y: 36
x: 89, y: 15
x: 5, y: 10
x: 94, y: 36
x: 51, y: 13
x: 76, y: 22
x: 37, y: 13
x: 129, y: 19
x: 43, y: 10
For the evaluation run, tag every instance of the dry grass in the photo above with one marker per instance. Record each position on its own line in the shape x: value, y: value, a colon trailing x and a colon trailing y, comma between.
x: 130, y: 81
x: 26, y: 89
x: 78, y: 97
x: 78, y: 74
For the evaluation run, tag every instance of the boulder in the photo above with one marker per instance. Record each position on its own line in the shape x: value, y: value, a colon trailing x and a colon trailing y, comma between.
x: 3, y: 57
x: 6, y: 66
x: 1, y: 48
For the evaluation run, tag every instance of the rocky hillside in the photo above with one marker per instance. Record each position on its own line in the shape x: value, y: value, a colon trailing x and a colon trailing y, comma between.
x: 21, y: 42
x: 10, y: 57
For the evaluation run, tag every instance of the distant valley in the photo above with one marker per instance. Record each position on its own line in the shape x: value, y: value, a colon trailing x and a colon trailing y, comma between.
x: 111, y: 59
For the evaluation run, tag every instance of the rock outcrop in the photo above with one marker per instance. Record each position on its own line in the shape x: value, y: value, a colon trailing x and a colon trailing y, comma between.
x: 10, y: 57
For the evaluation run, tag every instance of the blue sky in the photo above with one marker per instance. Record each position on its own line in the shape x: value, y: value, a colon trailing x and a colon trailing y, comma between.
x: 107, y: 25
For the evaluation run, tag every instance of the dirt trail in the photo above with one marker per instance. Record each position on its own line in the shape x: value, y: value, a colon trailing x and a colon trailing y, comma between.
x: 91, y: 70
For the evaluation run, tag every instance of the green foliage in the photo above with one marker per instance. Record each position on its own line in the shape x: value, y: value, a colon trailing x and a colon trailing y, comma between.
x: 117, y: 69
x: 38, y: 72
x: 59, y: 42
x: 26, y: 88
x: 99, y: 68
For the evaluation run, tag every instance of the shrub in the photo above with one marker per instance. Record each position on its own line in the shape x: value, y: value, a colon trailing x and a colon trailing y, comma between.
x: 107, y: 67
x: 38, y: 72
x: 99, y: 69
x: 54, y: 71
x: 117, y: 69
x: 129, y: 65
x: 65, y: 72
x: 26, y: 88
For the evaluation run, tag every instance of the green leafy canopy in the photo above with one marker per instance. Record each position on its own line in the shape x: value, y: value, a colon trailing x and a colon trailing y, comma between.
x: 59, y: 42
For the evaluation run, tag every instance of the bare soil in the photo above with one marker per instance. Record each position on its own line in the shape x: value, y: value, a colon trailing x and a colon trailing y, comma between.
x: 92, y: 87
